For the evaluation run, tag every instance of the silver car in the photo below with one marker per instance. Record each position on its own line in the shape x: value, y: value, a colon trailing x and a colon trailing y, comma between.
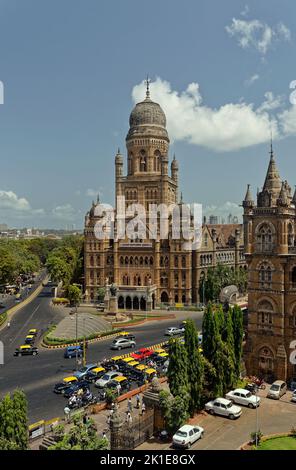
x: 121, y: 343
x: 173, y: 330
x: 103, y: 381
x: 277, y: 389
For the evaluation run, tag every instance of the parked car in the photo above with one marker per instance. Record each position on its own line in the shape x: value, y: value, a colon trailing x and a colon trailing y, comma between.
x: 173, y: 330
x: 26, y: 350
x: 243, y: 397
x: 29, y: 339
x: 121, y: 343
x: 122, y: 380
x: 71, y: 351
x: 67, y: 381
x: 277, y: 389
x: 223, y: 407
x: 103, y: 381
x: 94, y: 374
x: 187, y: 435
x: 81, y: 384
x: 84, y: 370
x: 142, y: 354
x: 293, y: 396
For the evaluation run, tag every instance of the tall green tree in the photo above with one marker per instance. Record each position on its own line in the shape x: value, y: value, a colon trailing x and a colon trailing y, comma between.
x: 238, y: 331
x: 74, y: 294
x: 178, y: 368
x: 80, y: 437
x: 195, y: 367
x: 210, y: 333
x: 13, y: 421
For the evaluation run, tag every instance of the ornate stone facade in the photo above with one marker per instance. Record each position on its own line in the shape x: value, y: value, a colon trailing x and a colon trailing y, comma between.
x: 270, y: 250
x: 149, y: 272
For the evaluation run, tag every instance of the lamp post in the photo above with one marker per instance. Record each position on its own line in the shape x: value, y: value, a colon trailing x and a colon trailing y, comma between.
x: 257, y: 419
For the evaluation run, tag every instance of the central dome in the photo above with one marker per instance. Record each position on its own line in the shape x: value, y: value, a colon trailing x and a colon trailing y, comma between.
x: 147, y: 113
x: 147, y: 119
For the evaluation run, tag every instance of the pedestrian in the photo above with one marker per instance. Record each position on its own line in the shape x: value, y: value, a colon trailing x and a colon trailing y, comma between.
x: 109, y: 419
x: 8, y: 324
x: 104, y: 435
x: 129, y: 405
x: 143, y: 408
x: 67, y: 412
x: 118, y: 387
x: 138, y: 399
x: 128, y: 416
x: 84, y: 419
x: 129, y: 419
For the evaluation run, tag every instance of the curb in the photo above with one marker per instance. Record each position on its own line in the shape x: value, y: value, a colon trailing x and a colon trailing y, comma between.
x: 11, y: 311
x: 140, y: 322
x: 65, y: 345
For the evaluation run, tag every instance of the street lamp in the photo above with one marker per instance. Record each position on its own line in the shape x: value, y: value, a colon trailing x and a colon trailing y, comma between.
x: 257, y: 418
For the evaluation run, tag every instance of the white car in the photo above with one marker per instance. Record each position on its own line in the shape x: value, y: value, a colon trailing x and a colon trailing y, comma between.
x: 243, y: 397
x: 187, y: 435
x: 223, y: 407
x: 173, y: 330
x: 106, y: 378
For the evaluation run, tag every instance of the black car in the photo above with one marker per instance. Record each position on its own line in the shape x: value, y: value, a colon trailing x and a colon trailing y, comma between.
x: 68, y: 392
x: 26, y: 350
x: 61, y: 386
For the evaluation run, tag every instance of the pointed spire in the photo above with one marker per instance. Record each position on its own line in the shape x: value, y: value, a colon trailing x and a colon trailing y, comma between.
x: 294, y: 197
x: 148, y: 81
x: 248, y: 201
x: 272, y: 181
x: 181, y: 198
x: 118, y: 151
x: 98, y: 198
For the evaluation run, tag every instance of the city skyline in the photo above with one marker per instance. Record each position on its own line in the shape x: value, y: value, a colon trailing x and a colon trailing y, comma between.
x: 67, y: 99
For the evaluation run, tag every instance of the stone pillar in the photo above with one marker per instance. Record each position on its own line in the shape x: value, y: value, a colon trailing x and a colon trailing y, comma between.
x: 237, y: 239
x: 151, y: 400
x: 116, y: 424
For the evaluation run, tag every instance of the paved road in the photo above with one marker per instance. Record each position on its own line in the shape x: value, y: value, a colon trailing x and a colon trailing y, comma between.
x: 37, y: 375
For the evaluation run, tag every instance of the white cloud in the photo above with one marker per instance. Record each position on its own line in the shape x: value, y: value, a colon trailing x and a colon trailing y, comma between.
x: 288, y: 121
x: 232, y: 126
x: 11, y: 204
x: 65, y: 212
x: 252, y: 79
x: 256, y: 34
x: 271, y: 102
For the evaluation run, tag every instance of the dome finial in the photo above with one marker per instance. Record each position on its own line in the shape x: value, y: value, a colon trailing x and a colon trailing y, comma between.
x: 148, y: 81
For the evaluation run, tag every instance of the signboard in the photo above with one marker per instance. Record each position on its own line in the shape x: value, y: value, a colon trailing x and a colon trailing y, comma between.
x: 36, y: 429
x: 179, y: 305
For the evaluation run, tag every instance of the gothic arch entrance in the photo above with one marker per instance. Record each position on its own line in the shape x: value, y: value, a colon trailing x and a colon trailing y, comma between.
x: 143, y: 303
x: 266, y: 363
x: 128, y: 302
x: 120, y: 302
x: 135, y: 303
x: 164, y: 298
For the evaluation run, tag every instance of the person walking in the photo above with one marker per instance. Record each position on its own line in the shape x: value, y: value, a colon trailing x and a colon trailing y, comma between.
x: 138, y: 401
x: 130, y: 405
x: 118, y: 387
x: 143, y: 408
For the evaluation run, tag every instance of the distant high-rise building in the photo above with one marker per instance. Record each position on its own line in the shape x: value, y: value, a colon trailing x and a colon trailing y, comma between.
x: 213, y: 219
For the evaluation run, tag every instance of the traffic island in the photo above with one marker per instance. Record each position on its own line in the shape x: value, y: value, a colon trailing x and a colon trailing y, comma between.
x: 281, y: 441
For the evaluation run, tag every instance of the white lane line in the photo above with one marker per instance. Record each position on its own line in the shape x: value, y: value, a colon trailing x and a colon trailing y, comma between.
x: 24, y: 325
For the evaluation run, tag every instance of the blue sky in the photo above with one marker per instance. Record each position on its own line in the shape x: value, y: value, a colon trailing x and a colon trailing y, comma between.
x: 72, y: 70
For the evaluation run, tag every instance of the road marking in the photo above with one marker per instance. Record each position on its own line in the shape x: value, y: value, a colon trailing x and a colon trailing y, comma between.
x: 24, y: 325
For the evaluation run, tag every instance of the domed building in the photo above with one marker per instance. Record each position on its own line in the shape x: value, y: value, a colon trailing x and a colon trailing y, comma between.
x: 151, y: 271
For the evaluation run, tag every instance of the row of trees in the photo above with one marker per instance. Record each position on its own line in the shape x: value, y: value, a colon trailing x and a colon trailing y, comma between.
x: 65, y: 264
x: 196, y: 377
x: 13, y: 422
x: 22, y: 257
x: 221, y: 276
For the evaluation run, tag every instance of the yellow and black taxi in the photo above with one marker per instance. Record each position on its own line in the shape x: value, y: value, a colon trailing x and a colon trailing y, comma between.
x: 149, y: 374
x: 26, y: 350
x: 126, y: 335
x: 33, y: 331
x: 123, y: 381
x: 66, y: 382
x: 94, y: 374
x: 29, y: 339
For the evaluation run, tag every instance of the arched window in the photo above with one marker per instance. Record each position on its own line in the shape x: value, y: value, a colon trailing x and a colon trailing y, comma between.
x: 156, y: 163
x: 290, y: 235
x: 183, y: 262
x: 293, y: 277
x: 265, y: 314
x: 143, y: 161
x: 265, y: 361
x: 265, y: 238
x: 265, y: 276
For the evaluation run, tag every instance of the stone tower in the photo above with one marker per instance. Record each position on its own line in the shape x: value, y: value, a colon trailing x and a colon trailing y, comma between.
x: 269, y: 228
